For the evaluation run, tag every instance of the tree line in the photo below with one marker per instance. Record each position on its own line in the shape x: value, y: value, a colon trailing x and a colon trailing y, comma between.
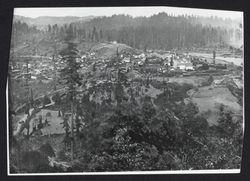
x: 161, y: 31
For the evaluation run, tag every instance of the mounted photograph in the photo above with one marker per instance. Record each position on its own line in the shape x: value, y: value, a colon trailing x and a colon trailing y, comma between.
x: 125, y: 90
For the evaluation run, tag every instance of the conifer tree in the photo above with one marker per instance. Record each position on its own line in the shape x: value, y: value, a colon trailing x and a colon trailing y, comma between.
x: 70, y: 75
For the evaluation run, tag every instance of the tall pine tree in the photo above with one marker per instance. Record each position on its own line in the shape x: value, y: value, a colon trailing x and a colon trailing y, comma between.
x: 70, y: 75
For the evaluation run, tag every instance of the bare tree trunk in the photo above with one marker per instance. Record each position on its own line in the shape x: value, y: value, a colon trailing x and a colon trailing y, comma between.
x: 53, y: 60
x: 134, y: 41
x: 28, y: 130
x: 72, y: 131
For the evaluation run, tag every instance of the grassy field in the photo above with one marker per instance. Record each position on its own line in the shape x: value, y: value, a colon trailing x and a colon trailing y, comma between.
x: 209, y: 98
x: 194, y: 80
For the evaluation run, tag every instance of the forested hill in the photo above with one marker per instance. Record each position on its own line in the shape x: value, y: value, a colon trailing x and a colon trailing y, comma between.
x: 161, y: 31
x: 42, y: 22
x: 162, y: 18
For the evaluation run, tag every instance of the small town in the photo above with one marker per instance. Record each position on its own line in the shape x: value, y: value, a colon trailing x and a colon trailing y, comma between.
x: 80, y: 102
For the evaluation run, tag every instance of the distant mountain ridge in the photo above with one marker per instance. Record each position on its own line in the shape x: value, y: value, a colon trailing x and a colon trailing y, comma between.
x: 44, y: 21
x: 160, y: 31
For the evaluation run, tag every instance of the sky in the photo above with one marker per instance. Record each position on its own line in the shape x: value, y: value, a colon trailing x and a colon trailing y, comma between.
x: 133, y: 11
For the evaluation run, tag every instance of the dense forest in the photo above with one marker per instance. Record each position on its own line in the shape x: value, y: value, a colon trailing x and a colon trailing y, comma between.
x: 161, y: 31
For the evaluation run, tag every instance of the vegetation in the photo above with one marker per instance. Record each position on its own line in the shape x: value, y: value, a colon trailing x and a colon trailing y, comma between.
x: 46, y: 100
x: 71, y: 76
x: 208, y: 82
x: 155, y: 138
x: 161, y: 134
x: 161, y: 31
x: 115, y: 123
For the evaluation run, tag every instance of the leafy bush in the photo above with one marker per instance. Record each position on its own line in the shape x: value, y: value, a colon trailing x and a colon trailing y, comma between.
x: 48, y: 114
x: 33, y: 161
x: 37, y: 102
x: 208, y: 82
x: 57, y: 99
x: 47, y: 150
x: 46, y: 100
x: 61, y: 155
x: 210, y: 79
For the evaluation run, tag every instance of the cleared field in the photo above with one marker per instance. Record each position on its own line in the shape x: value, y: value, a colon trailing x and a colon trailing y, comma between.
x: 195, y: 80
x: 54, y: 127
x: 208, y: 100
x: 108, y: 50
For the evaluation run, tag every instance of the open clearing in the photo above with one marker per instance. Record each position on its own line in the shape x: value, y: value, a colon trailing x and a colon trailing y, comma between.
x: 108, y: 50
x: 195, y: 80
x: 54, y: 127
x: 208, y: 100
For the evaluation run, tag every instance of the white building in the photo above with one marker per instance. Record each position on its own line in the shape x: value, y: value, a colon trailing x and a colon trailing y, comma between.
x: 185, y: 66
x: 126, y: 59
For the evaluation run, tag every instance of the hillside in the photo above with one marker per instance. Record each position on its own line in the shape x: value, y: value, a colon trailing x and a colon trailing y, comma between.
x: 43, y: 21
x: 160, y: 31
x: 108, y: 50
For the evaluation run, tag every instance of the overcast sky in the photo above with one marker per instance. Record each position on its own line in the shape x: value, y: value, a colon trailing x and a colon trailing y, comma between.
x: 133, y: 11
